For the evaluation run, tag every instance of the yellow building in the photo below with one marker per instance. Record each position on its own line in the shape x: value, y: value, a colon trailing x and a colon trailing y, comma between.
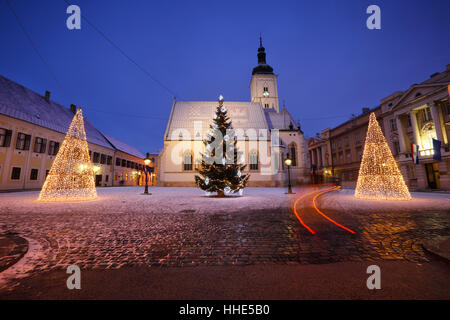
x: 32, y: 127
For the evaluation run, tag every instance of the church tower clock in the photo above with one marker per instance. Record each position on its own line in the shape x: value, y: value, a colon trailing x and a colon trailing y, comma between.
x: 263, y: 86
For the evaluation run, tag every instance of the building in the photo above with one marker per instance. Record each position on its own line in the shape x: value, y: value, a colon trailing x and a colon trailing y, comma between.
x: 347, y: 146
x: 32, y: 127
x: 266, y: 134
x: 320, y: 157
x: 419, y: 115
x: 415, y: 116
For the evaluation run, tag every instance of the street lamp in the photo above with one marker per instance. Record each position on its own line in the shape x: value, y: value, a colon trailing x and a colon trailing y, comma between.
x: 146, y: 162
x: 288, y: 162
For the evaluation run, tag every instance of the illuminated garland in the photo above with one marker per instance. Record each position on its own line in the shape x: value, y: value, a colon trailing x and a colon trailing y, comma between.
x: 379, y: 177
x: 71, y: 177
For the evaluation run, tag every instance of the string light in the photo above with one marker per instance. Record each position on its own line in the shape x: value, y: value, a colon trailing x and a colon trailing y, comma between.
x: 71, y: 177
x: 379, y: 177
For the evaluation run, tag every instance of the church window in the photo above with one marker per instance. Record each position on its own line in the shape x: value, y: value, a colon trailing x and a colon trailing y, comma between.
x: 266, y: 105
x: 187, y: 161
x: 293, y: 154
x: 253, y: 160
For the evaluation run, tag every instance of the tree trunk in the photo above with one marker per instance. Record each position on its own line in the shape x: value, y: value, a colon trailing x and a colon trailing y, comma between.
x: 220, y: 194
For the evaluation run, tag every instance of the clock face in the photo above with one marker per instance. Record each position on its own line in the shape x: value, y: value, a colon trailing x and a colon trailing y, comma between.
x: 266, y: 94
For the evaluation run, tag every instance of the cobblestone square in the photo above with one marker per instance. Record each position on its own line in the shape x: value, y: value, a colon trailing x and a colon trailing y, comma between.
x: 180, y: 227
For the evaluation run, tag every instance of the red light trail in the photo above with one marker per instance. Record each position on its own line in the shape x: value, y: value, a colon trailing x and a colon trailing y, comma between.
x: 319, y: 193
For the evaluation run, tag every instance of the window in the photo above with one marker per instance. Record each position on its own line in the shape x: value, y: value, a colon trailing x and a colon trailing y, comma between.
x: 5, y: 137
x: 396, y: 147
x: 53, y: 148
x: 23, y: 141
x: 124, y: 163
x: 118, y: 161
x: 187, y: 161
x: 15, y: 173
x: 334, y: 158
x: 333, y: 144
x: 346, y: 141
x: 409, y: 120
x: 266, y: 105
x: 109, y: 160
x: 102, y: 159
x: 426, y: 114
x: 128, y: 164
x: 106, y: 178
x: 341, y: 157
x: 393, y: 124
x: 253, y: 160
x: 46, y: 173
x: 96, y: 157
x: 357, y: 138
x: 359, y: 153
x: 266, y: 89
x: 40, y: 145
x: 293, y: 154
x: 90, y: 154
x: 348, y: 156
x: 34, y: 174
x: 339, y: 143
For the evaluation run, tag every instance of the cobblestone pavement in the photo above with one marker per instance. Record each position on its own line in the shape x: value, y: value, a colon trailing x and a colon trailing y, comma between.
x: 114, y: 239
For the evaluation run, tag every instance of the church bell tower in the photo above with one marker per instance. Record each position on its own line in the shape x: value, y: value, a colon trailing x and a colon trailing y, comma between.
x: 263, y: 86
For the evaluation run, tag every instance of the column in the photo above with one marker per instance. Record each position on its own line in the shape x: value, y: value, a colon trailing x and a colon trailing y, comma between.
x: 322, y: 152
x: 401, y: 135
x: 415, y: 127
x: 437, y: 121
x: 319, y: 157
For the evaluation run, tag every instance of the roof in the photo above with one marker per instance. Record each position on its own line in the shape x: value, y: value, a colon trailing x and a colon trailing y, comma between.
x: 122, y: 146
x: 279, y: 120
x: 21, y: 103
x: 244, y: 115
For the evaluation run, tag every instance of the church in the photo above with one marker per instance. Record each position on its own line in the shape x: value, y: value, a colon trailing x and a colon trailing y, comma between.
x: 266, y: 135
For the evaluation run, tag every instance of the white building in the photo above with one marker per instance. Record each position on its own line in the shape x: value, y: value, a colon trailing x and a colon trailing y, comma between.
x: 270, y: 134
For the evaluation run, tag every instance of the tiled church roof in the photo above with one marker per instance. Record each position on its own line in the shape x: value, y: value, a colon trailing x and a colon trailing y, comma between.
x: 244, y: 115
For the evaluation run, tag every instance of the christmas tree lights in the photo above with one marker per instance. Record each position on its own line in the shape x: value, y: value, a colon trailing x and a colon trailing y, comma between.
x: 223, y: 176
x: 71, y: 177
x: 379, y: 177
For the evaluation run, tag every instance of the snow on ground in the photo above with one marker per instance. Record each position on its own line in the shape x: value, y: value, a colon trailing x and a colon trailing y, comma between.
x: 190, y: 200
x: 421, y: 201
x: 161, y: 200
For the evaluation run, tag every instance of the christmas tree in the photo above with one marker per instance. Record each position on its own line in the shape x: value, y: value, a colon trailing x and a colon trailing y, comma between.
x: 220, y: 170
x: 71, y: 177
x: 379, y: 177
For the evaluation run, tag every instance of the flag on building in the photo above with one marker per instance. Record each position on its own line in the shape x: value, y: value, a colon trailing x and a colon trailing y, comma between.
x: 415, y: 153
x: 437, y: 150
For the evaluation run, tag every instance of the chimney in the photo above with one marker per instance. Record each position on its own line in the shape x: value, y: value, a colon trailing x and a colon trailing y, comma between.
x: 47, y: 96
x: 73, y: 108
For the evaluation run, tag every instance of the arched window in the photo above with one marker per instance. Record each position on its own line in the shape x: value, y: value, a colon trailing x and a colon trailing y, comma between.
x: 293, y: 154
x: 187, y: 161
x: 253, y: 160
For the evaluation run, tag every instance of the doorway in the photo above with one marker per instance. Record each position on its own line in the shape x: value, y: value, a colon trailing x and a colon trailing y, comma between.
x: 98, y: 180
x: 433, y: 177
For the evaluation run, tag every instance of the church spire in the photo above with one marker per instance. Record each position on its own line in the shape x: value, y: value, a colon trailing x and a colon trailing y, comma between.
x: 262, y: 67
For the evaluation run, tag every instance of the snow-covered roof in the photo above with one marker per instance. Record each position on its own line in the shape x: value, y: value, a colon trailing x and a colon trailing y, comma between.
x: 122, y: 146
x: 279, y: 120
x: 21, y: 103
x: 244, y: 115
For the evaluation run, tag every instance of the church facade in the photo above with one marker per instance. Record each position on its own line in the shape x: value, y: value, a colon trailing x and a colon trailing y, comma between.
x: 266, y: 135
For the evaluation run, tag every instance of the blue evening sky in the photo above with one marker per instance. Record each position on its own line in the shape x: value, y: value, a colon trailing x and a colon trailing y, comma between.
x: 329, y: 64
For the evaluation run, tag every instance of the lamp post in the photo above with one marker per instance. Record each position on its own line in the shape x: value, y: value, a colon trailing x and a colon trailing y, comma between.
x: 146, y: 162
x: 288, y: 162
